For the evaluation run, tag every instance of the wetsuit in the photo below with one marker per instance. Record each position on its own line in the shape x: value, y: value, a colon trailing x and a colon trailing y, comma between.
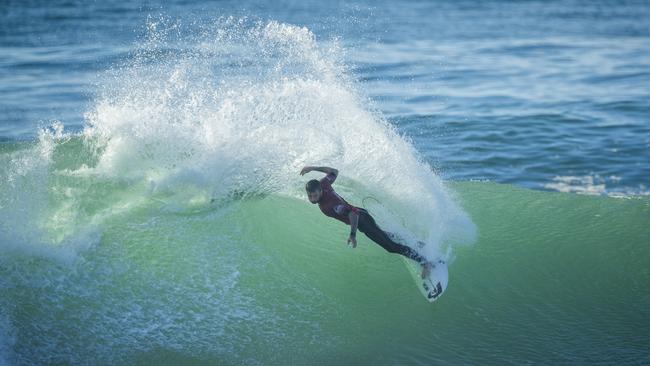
x: 333, y: 205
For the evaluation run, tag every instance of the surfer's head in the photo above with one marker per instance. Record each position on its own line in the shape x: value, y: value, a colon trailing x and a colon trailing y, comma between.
x: 314, y: 191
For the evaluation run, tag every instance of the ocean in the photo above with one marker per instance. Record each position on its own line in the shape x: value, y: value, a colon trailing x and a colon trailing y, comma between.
x: 152, y: 211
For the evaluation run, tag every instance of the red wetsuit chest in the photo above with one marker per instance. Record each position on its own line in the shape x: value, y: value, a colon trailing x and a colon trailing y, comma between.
x: 333, y: 205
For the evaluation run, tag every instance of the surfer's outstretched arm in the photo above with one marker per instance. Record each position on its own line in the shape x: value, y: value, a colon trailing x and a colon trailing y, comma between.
x: 354, y: 221
x: 322, y: 169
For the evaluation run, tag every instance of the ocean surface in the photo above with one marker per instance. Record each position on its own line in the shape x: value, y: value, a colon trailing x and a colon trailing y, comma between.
x: 151, y: 210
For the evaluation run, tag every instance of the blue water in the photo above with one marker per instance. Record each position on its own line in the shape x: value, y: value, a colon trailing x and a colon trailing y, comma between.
x: 548, y: 95
x: 151, y: 210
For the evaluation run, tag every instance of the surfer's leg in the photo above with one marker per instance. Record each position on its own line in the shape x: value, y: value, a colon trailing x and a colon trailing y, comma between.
x: 368, y: 226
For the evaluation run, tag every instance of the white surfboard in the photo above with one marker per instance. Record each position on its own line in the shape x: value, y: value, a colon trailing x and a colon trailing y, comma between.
x: 435, y: 284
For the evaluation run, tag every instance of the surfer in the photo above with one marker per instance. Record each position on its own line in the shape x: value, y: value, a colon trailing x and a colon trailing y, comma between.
x: 333, y: 205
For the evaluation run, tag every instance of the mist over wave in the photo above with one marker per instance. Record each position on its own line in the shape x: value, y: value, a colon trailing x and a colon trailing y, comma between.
x: 232, y: 109
x: 153, y: 227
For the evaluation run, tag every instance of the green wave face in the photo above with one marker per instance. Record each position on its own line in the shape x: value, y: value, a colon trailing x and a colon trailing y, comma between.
x: 552, y: 278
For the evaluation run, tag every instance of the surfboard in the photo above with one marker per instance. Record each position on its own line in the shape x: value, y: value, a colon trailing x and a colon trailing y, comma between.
x: 435, y: 284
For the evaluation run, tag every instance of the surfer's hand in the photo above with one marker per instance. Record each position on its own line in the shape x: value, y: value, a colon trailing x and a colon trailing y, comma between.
x: 305, y: 170
x: 352, y: 240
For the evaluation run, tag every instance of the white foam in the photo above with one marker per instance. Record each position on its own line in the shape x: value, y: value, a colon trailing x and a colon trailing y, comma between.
x: 181, y: 123
x: 28, y: 224
x: 594, y: 185
x: 238, y: 110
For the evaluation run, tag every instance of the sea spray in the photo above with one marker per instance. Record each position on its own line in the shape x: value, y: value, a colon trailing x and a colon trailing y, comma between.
x: 161, y: 206
x: 239, y: 111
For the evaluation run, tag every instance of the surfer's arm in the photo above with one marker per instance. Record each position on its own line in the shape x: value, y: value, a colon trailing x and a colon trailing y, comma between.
x: 322, y: 169
x: 354, y: 221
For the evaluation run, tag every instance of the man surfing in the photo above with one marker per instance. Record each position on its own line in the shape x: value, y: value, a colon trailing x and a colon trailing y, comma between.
x: 333, y: 205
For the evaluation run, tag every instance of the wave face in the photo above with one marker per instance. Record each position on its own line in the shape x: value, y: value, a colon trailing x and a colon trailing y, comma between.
x: 174, y: 227
x: 553, y: 278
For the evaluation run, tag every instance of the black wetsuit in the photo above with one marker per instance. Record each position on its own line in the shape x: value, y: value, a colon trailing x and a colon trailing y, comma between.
x: 368, y: 226
x: 333, y: 205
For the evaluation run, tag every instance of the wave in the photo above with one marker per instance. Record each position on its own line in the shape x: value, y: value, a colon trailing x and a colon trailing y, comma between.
x: 157, y: 221
x: 554, y: 277
x: 174, y: 228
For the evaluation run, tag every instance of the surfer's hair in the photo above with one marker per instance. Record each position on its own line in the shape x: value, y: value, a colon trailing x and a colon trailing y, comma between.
x: 312, y: 186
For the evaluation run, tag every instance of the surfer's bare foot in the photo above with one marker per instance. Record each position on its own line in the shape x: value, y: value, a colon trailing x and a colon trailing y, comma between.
x: 426, y: 269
